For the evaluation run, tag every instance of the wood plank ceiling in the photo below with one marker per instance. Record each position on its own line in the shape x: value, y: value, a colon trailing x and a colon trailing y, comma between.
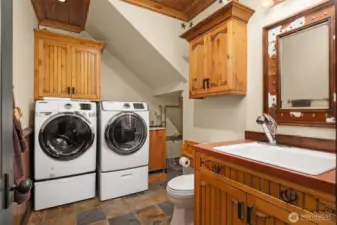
x: 69, y: 15
x: 180, y: 9
x: 184, y: 10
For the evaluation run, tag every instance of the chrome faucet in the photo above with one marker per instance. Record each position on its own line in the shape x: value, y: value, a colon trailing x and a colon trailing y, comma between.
x: 269, y: 126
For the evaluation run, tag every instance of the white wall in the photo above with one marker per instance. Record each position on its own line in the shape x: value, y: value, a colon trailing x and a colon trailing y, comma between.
x: 260, y: 19
x: 120, y: 84
x: 24, y: 21
x: 227, y: 117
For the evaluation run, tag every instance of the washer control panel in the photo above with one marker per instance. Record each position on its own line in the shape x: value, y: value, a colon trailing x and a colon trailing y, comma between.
x: 84, y: 106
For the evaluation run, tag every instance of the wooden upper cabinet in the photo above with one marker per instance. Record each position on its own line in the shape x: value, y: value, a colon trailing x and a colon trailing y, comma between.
x: 86, y: 73
x: 218, y: 64
x: 52, y: 69
x: 224, y: 60
x: 67, y: 66
x: 197, y: 65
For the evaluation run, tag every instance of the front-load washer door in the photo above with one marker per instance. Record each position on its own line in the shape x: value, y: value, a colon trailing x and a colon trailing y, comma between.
x: 66, y: 136
x: 126, y: 133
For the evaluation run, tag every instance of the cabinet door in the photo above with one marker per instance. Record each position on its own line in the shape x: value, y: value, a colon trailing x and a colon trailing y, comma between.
x: 157, y: 159
x: 86, y: 73
x: 52, y: 69
x: 197, y: 66
x: 217, y: 203
x: 218, y: 58
x: 260, y: 212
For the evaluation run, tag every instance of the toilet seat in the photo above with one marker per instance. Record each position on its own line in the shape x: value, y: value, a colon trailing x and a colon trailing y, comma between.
x: 181, y: 186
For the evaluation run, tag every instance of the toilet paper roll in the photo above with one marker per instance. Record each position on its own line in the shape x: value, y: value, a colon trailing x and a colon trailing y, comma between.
x: 184, y: 162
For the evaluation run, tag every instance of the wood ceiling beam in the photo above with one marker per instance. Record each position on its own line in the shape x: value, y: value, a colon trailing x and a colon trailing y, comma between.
x: 156, y: 7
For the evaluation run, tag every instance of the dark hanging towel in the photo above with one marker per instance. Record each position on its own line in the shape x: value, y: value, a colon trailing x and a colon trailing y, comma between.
x: 19, y: 146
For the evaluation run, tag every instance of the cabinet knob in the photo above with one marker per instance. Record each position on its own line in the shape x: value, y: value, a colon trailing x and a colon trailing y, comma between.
x: 68, y: 90
x: 73, y: 90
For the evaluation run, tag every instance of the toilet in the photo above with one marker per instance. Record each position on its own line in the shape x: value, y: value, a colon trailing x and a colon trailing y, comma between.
x: 180, y: 191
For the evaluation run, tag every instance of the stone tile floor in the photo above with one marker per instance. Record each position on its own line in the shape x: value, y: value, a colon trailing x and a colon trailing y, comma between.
x: 151, y: 207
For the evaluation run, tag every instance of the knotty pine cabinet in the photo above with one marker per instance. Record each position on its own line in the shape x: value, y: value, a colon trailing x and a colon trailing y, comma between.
x: 218, y: 52
x: 67, y: 66
x: 229, y: 194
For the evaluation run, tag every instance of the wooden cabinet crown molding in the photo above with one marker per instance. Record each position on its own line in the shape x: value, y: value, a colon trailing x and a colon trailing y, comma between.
x: 231, y: 10
x: 45, y: 34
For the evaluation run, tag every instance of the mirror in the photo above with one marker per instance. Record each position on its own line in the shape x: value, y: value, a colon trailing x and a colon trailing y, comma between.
x: 304, y: 68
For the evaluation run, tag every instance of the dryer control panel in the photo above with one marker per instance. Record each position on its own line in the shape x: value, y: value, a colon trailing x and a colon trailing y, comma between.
x: 124, y: 106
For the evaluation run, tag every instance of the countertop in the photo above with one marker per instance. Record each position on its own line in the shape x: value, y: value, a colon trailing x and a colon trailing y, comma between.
x: 325, y: 182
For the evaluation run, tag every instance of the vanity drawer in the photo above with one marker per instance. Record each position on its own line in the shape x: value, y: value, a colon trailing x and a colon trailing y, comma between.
x: 303, y: 197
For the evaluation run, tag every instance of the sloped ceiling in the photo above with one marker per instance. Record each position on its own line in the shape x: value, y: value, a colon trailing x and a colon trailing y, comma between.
x: 107, y: 24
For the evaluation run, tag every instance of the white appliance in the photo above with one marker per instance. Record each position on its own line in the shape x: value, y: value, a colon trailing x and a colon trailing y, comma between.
x: 65, y: 152
x: 123, y: 148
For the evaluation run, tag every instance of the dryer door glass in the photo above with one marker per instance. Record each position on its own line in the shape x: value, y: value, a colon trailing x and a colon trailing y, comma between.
x: 126, y: 133
x: 66, y: 136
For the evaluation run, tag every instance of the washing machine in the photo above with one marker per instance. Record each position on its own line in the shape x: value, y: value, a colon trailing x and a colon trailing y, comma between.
x: 65, y: 152
x: 123, y: 148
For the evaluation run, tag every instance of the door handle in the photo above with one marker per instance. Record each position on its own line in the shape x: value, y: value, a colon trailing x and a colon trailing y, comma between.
x: 73, y: 90
x: 23, y: 188
x: 249, y: 214
x: 68, y: 90
x: 240, y: 210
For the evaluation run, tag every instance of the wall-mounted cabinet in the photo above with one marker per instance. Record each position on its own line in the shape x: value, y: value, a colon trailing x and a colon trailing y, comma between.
x: 67, y: 66
x: 218, y: 52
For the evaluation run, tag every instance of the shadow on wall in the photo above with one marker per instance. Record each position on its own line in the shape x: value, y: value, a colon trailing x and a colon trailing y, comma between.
x: 121, y: 84
x: 106, y: 23
x: 219, y: 113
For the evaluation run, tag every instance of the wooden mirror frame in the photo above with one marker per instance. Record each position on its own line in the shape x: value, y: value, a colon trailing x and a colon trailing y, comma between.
x: 324, y: 12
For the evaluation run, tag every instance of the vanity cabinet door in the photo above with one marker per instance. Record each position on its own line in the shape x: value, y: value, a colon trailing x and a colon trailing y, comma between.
x: 218, y: 58
x: 259, y: 212
x: 157, y: 159
x: 197, y: 67
x: 217, y: 203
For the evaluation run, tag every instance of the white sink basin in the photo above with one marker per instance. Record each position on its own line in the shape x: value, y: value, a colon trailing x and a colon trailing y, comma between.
x: 297, y: 159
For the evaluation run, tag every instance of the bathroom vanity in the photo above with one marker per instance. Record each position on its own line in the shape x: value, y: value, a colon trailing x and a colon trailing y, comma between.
x: 232, y: 189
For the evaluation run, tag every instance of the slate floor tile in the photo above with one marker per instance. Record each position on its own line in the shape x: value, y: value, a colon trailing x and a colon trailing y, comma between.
x: 90, y: 216
x: 139, y: 201
x: 159, y: 195
x: 36, y: 217
x: 52, y: 213
x: 67, y: 209
x: 128, y: 219
x: 69, y: 219
x: 115, y: 207
x: 87, y: 204
x: 103, y: 222
x: 150, y: 215
x: 167, y: 207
